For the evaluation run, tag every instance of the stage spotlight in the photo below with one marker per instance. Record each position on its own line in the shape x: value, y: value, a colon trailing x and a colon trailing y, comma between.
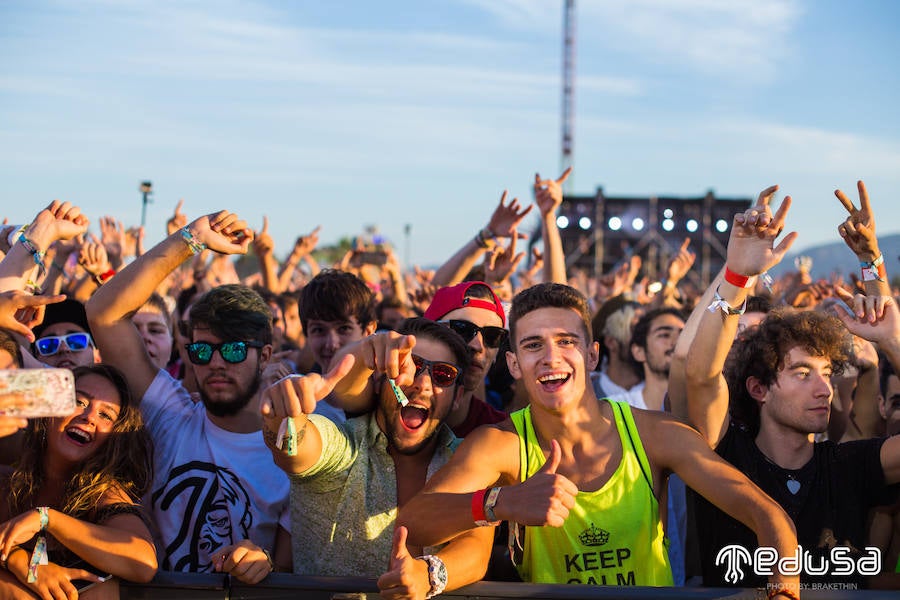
x: 668, y: 224
x: 615, y: 223
x: 562, y: 221
x: 637, y: 223
x: 668, y: 213
x: 721, y: 225
x: 584, y: 223
x: 692, y: 225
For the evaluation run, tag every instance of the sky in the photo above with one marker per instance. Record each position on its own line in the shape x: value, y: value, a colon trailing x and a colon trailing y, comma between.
x: 347, y: 114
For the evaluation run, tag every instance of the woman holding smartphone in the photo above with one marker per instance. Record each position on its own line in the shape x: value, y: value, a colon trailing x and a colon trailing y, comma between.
x: 71, y: 511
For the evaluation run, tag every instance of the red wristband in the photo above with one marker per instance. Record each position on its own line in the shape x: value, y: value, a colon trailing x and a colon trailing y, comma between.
x: 104, y: 276
x: 741, y: 281
x: 478, y: 508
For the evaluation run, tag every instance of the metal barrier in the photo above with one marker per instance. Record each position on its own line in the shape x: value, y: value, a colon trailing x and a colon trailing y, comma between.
x: 177, y: 586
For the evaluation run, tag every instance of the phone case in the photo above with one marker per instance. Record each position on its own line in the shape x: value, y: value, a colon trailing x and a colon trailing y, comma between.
x: 30, y: 393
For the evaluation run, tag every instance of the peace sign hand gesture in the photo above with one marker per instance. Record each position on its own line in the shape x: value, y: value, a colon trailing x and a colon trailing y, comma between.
x: 751, y: 247
x: 858, y: 230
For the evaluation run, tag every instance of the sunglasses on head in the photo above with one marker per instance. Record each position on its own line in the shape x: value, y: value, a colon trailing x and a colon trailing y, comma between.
x: 492, y: 336
x: 443, y: 374
x: 75, y: 342
x: 200, y: 353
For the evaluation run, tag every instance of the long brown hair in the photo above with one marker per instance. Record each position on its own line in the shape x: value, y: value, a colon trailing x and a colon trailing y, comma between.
x: 123, y: 464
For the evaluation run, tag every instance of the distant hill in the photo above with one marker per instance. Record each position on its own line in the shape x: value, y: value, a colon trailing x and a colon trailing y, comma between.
x: 836, y: 257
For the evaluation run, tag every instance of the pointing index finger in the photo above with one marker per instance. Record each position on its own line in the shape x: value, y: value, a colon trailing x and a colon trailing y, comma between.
x: 564, y: 176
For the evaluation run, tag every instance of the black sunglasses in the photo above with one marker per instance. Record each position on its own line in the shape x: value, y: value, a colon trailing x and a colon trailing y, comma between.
x: 443, y: 374
x: 492, y: 336
x: 200, y: 353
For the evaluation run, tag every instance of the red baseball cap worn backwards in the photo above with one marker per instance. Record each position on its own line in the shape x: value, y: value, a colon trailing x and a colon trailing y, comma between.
x: 450, y: 298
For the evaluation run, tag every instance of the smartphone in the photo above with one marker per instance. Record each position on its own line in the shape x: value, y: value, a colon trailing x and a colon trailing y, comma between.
x: 28, y: 393
x: 377, y: 257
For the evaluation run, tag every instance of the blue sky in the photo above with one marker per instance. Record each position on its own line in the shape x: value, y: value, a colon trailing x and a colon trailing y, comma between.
x: 349, y: 113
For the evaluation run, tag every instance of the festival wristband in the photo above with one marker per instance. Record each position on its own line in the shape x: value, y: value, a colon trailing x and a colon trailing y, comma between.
x: 287, y: 437
x: 873, y: 271
x: 191, y: 240
x: 39, y: 555
x: 719, y: 303
x: 741, y: 281
x: 478, y: 509
x: 490, y: 502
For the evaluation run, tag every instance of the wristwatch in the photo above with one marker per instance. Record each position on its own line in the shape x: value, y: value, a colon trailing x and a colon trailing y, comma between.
x: 437, y: 575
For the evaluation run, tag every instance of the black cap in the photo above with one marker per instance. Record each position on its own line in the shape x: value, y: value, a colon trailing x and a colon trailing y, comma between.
x: 67, y: 311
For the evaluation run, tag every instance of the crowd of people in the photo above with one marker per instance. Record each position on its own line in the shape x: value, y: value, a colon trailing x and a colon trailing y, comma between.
x: 490, y: 419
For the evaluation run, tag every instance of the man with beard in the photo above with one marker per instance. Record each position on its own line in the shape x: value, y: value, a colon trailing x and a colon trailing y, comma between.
x: 474, y: 311
x: 349, y: 480
x: 203, y: 525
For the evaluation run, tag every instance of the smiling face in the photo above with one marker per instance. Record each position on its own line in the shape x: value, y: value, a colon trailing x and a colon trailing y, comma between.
x: 325, y: 338
x: 412, y: 428
x: 800, y: 398
x: 74, y: 438
x: 552, y: 357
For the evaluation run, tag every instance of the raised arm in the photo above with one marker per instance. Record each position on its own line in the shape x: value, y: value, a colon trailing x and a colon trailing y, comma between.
x: 24, y: 265
x: 303, y: 247
x: 110, y: 309
x: 503, y: 222
x: 548, y: 195
x: 751, y: 251
x: 858, y: 232
x: 264, y: 248
x: 678, y: 367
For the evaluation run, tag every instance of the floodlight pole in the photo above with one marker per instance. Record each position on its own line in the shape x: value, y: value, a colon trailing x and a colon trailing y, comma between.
x: 146, y: 189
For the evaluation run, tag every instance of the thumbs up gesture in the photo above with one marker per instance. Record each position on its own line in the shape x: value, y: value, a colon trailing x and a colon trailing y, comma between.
x: 543, y: 499
x: 407, y: 577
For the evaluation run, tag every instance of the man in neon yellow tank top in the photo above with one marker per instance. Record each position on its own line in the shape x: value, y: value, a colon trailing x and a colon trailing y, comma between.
x: 585, y: 478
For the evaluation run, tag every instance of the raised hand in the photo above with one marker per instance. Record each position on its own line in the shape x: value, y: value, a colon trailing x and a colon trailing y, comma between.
x: 548, y: 194
x: 177, y: 220
x: 244, y: 560
x: 681, y: 263
x: 502, y: 262
x: 93, y: 258
x: 751, y: 247
x: 223, y: 232
x: 407, y: 577
x: 19, y: 312
x: 506, y: 217
x: 874, y: 318
x: 305, y: 244
x: 263, y: 244
x: 543, y: 499
x: 858, y: 230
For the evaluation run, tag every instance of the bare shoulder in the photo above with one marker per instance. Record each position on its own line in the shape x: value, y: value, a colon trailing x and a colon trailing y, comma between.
x: 663, y: 434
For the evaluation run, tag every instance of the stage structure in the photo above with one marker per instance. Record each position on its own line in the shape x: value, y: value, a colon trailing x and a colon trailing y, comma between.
x: 600, y: 232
